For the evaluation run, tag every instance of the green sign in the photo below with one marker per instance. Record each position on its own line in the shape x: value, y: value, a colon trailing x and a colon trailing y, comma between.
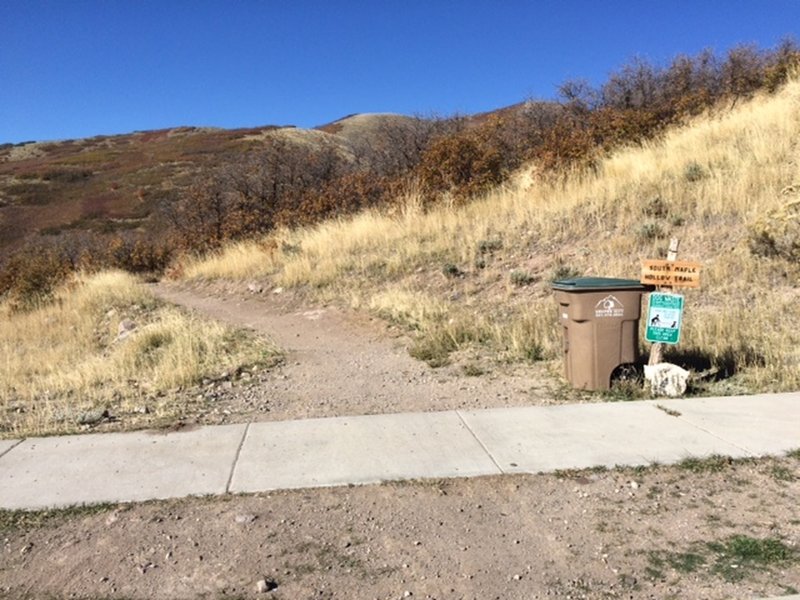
x: 664, y: 317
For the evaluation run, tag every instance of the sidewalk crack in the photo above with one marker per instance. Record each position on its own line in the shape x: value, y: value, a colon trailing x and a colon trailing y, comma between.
x: 686, y: 420
x: 480, y: 442
x: 7, y: 450
x: 236, y: 458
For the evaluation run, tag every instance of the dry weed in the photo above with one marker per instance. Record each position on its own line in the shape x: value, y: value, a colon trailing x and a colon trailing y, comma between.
x: 67, y: 357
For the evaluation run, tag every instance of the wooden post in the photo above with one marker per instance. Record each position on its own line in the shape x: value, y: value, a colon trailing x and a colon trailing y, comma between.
x: 657, y: 349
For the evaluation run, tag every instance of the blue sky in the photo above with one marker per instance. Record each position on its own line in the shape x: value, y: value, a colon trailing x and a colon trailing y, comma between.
x: 77, y: 68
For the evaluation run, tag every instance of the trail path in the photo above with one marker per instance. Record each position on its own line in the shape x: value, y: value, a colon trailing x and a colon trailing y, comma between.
x: 341, y: 363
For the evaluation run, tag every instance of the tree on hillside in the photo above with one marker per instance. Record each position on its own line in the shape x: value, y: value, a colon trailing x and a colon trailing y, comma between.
x: 246, y: 195
x: 396, y: 145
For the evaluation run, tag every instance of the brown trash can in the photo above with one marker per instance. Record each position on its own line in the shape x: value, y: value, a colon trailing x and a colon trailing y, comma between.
x: 600, y: 317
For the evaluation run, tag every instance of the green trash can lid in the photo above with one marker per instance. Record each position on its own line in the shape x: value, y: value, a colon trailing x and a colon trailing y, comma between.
x: 580, y: 284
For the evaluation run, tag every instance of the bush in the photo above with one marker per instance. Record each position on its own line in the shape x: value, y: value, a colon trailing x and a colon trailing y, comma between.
x: 650, y: 230
x: 31, y: 275
x: 777, y: 234
x: 693, y: 172
x: 564, y: 271
x: 462, y: 165
x: 521, y: 278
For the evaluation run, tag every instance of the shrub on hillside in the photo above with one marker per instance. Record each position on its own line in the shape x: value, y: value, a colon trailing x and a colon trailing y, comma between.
x: 641, y: 99
x: 344, y: 195
x: 31, y: 275
x: 777, y: 234
x: 247, y: 196
x: 396, y: 146
x: 462, y: 165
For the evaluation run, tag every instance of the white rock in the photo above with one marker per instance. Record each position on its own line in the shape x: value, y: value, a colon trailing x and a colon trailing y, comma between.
x: 125, y: 328
x: 666, y: 379
x: 244, y: 519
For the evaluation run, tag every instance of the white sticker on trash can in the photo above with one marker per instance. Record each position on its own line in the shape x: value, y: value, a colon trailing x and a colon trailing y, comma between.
x: 610, y: 306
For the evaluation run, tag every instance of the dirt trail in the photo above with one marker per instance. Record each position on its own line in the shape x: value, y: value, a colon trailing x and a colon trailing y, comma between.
x: 341, y: 363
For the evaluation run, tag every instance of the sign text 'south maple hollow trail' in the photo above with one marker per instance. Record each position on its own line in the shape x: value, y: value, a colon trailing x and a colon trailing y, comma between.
x: 678, y: 273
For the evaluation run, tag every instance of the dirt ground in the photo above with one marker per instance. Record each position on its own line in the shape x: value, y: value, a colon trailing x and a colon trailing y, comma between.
x: 704, y: 530
x: 344, y: 363
x: 707, y: 529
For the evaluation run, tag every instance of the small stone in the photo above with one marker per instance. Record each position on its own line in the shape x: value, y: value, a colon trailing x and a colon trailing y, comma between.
x: 408, y: 594
x: 634, y: 485
x: 517, y: 577
x: 124, y: 329
x: 255, y: 288
x: 277, y: 290
x: 92, y: 417
x: 265, y: 585
x: 245, y: 518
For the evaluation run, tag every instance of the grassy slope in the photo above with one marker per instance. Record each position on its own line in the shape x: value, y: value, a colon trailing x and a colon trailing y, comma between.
x: 711, y: 183
x: 65, y: 358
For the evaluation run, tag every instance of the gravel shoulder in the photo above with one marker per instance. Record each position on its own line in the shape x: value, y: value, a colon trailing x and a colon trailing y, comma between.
x: 663, y: 532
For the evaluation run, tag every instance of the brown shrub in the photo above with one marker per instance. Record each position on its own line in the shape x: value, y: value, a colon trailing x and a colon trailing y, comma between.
x: 30, y: 275
x: 463, y: 165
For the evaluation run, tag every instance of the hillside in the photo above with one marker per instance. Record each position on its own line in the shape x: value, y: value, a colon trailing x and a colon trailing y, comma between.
x: 120, y: 183
x: 474, y: 280
x: 117, y: 182
x: 139, y: 202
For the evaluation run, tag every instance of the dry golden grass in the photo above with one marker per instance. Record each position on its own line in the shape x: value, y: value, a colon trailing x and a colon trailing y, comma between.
x: 708, y: 183
x: 65, y: 358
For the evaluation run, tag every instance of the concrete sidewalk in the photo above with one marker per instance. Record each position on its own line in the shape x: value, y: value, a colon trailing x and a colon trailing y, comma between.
x: 122, y: 467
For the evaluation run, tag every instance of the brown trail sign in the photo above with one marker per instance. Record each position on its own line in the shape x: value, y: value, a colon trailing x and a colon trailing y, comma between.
x: 666, y: 273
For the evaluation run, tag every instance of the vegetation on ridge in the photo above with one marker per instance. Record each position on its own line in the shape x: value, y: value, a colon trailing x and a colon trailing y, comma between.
x: 725, y: 183
x: 134, y: 202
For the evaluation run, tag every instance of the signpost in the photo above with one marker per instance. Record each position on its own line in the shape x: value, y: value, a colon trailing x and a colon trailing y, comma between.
x: 665, y: 311
x: 664, y: 317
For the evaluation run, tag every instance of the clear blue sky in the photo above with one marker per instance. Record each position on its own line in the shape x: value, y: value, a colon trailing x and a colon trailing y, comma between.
x: 77, y: 68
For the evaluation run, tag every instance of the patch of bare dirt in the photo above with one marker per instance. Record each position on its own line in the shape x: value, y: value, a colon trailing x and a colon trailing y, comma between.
x: 665, y: 532
x: 342, y: 363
